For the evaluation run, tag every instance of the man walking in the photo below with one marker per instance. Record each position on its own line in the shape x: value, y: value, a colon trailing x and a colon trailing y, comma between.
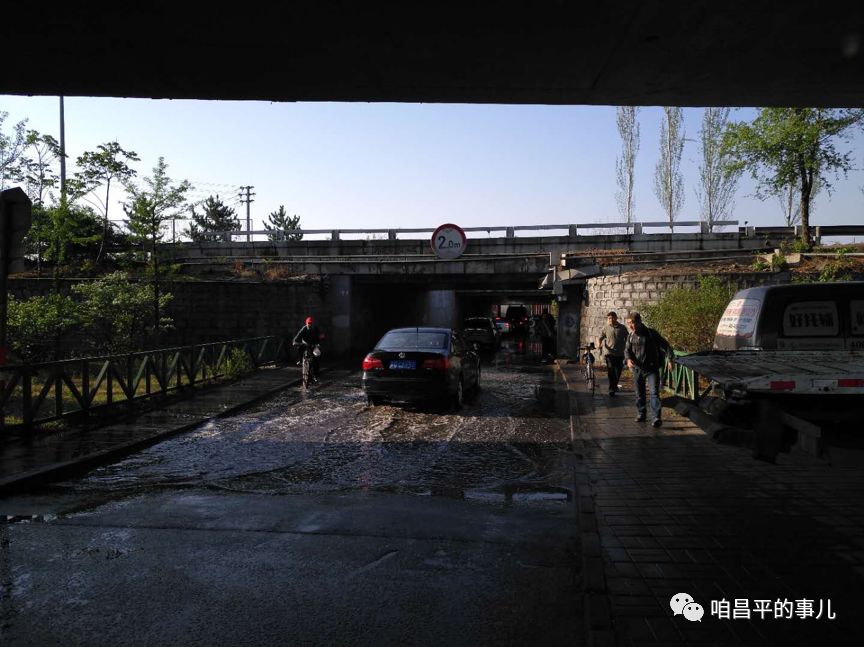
x: 546, y: 330
x: 612, y: 340
x: 645, y: 352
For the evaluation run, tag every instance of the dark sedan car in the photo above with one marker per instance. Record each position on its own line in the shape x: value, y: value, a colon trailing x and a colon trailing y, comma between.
x: 412, y: 364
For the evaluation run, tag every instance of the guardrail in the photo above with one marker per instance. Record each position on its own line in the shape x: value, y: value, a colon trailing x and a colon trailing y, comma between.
x: 33, y: 394
x: 572, y: 229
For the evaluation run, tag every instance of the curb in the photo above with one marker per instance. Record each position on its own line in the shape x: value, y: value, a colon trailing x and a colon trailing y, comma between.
x: 598, y: 611
x: 58, y: 471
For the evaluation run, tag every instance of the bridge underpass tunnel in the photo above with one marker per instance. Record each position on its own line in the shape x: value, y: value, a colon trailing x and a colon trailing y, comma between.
x: 379, y: 305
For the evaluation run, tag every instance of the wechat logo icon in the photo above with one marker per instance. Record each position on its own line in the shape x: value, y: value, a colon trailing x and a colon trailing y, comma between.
x: 683, y: 604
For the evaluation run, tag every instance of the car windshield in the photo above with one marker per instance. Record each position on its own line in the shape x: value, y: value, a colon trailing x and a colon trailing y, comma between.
x: 478, y: 322
x: 412, y: 339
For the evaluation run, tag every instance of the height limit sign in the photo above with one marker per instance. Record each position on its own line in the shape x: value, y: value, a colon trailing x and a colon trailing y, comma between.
x: 449, y: 241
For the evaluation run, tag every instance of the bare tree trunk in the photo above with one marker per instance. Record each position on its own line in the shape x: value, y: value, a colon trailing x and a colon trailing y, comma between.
x: 105, y: 227
x: 806, y: 186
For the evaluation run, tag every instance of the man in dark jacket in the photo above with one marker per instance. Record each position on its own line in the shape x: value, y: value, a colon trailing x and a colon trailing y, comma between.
x: 612, y: 340
x: 308, y: 337
x: 646, y: 351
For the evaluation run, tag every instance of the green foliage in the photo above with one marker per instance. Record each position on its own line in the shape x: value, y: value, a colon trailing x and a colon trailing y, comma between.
x: 688, y: 317
x: 11, y: 148
x: 281, y: 222
x: 238, y: 363
x: 778, y: 262
x: 154, y: 204
x: 216, y: 216
x: 794, y: 147
x: 117, y: 312
x: 839, y: 269
x: 797, y: 246
x: 65, y: 232
x: 760, y: 265
x: 37, y: 325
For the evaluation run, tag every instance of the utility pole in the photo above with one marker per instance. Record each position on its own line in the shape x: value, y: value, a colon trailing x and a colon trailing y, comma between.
x: 248, y: 200
x: 62, y: 152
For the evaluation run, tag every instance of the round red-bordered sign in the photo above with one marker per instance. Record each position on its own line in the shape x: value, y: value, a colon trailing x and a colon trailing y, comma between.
x: 449, y: 241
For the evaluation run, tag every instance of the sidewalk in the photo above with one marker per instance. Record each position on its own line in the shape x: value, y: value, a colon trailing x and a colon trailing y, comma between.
x: 667, y: 511
x: 29, y: 461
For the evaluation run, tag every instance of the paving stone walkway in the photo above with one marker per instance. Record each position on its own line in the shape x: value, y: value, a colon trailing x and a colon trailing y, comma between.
x: 667, y: 511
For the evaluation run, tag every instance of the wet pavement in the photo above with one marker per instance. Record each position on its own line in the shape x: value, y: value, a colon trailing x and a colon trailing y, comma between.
x: 669, y: 511
x: 313, y: 518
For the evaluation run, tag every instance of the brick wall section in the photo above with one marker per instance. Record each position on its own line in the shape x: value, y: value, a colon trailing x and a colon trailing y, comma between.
x: 206, y: 311
x: 626, y: 293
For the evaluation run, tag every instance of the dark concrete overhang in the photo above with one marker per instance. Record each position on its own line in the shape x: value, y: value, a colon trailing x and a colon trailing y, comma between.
x: 630, y: 52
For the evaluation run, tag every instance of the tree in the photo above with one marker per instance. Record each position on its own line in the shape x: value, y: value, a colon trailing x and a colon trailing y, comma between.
x: 628, y: 128
x: 11, y: 147
x: 793, y: 146
x: 35, y: 167
x: 149, y: 209
x: 668, y: 181
x: 216, y: 217
x: 117, y: 311
x: 69, y: 232
x: 716, y: 190
x: 100, y: 167
x: 37, y: 325
x: 280, y: 223
x: 791, y: 206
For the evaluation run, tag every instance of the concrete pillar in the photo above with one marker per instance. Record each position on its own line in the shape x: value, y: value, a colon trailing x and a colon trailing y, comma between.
x: 637, y: 228
x: 569, y: 318
x: 440, y: 309
x: 339, y: 297
x: 704, y: 228
x: 573, y: 232
x: 334, y: 235
x: 391, y: 235
x: 511, y: 233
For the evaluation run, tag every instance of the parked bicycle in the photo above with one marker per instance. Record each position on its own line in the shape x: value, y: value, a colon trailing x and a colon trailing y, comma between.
x: 588, y: 371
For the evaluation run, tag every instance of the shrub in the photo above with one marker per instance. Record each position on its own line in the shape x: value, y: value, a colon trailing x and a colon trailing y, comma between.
x: 688, y: 317
x: 37, y: 325
x: 118, y: 313
x: 238, y: 363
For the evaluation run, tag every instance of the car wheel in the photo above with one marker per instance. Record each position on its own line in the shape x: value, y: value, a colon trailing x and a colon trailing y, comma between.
x: 459, y: 396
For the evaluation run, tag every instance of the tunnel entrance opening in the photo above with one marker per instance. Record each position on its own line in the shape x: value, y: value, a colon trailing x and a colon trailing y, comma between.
x: 377, y: 306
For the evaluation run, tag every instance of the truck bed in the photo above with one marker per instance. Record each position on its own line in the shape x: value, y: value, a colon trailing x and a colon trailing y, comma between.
x: 782, y: 371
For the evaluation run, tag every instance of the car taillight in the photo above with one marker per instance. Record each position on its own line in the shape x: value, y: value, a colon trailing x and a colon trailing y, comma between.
x: 370, y: 363
x: 437, y: 364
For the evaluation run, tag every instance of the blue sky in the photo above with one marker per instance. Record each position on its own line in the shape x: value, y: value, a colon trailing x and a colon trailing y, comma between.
x: 406, y: 165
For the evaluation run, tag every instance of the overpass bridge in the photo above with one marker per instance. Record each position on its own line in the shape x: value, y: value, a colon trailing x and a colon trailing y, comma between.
x: 379, y: 283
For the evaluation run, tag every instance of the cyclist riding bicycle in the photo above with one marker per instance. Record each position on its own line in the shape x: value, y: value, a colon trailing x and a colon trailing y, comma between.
x: 308, y: 337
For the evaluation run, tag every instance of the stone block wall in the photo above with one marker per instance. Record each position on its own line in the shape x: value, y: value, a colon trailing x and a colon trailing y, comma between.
x: 626, y: 293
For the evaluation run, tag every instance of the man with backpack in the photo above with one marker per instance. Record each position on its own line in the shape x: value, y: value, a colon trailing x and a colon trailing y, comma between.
x: 645, y: 352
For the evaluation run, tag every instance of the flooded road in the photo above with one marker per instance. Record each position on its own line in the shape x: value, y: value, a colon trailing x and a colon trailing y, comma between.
x: 315, y: 519
x: 509, y: 436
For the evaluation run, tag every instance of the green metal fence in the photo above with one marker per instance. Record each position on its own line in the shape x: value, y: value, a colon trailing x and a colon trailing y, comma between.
x: 37, y: 393
x: 682, y: 381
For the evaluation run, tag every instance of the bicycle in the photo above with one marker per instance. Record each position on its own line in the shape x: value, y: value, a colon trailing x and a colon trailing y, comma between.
x: 588, y: 371
x: 310, y: 355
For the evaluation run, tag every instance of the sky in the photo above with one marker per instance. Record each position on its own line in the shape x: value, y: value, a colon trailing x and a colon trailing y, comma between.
x: 386, y: 165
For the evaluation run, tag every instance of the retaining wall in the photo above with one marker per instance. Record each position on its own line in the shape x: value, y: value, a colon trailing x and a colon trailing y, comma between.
x: 626, y: 293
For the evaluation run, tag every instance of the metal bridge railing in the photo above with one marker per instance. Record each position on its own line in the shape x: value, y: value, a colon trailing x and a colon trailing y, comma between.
x: 681, y: 380
x: 32, y: 394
